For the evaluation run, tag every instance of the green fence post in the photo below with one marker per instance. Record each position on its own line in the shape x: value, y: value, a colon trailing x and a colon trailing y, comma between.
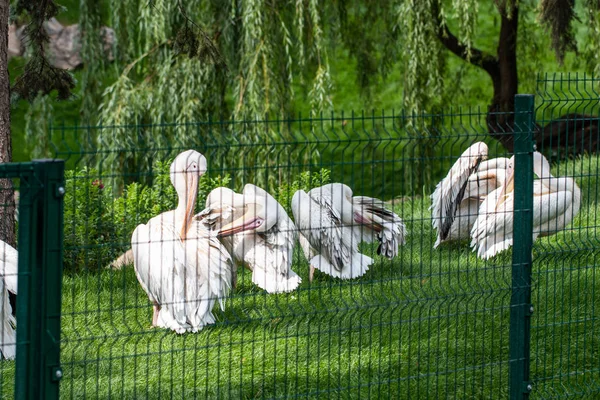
x: 40, y: 281
x: 520, y: 303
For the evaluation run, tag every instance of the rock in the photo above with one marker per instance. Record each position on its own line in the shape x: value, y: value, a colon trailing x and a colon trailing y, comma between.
x: 65, y: 43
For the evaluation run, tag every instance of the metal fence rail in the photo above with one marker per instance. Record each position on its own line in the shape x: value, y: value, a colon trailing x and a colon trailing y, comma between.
x: 426, y: 323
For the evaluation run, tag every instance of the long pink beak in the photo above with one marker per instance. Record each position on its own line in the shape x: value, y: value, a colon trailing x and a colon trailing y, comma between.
x: 244, y: 223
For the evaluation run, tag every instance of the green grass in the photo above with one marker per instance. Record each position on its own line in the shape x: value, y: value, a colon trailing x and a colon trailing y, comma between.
x: 428, y: 324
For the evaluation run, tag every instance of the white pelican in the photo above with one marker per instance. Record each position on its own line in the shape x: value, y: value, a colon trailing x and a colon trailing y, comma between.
x: 8, y: 284
x: 556, y: 202
x: 333, y: 246
x: 332, y: 220
x: 180, y: 264
x: 369, y: 217
x: 267, y: 250
x: 456, y: 199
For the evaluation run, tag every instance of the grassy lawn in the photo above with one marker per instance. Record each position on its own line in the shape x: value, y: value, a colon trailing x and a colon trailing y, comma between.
x: 428, y: 324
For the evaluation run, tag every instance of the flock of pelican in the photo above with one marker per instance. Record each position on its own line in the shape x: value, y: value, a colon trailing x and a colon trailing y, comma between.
x: 476, y: 200
x: 187, y: 262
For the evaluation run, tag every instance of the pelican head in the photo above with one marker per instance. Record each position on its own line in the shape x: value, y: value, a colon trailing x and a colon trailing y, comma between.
x: 260, y: 203
x: 223, y: 196
x: 252, y: 219
x: 186, y: 169
x: 185, y: 172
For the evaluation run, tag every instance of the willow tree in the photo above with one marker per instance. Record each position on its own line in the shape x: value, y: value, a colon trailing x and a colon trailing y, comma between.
x: 430, y: 21
x: 179, y: 62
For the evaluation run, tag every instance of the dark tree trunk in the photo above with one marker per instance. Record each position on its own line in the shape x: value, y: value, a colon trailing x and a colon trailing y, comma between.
x: 505, y: 80
x: 7, y: 199
x: 566, y: 136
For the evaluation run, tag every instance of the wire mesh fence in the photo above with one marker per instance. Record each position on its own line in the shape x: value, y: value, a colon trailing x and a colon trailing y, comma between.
x: 436, y: 270
x: 421, y: 321
x: 31, y: 355
x: 564, y: 264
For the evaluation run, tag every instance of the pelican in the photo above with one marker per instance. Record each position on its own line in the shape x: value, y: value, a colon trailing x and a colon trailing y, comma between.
x: 333, y: 248
x: 456, y: 199
x: 267, y: 250
x: 8, y: 285
x: 181, y: 265
x: 332, y: 220
x: 369, y: 217
x: 556, y: 202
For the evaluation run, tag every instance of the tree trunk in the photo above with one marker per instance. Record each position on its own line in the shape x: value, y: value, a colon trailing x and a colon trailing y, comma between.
x: 505, y: 79
x: 569, y: 135
x: 7, y: 199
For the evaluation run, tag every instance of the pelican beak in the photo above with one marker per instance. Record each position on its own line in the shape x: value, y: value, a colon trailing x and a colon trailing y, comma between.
x: 249, y: 221
x: 192, y: 192
x: 240, y: 225
x: 363, y: 220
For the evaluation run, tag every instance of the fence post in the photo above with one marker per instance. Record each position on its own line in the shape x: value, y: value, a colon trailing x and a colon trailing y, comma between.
x: 40, y: 281
x: 520, y: 303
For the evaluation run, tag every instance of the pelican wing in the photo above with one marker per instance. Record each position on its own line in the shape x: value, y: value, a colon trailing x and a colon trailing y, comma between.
x: 493, y: 229
x: 9, y: 258
x: 550, y: 210
x: 393, y: 230
x: 8, y: 333
x: 159, y: 261
x: 449, y: 192
x: 321, y: 225
x: 8, y: 283
x: 209, y: 273
x: 271, y: 254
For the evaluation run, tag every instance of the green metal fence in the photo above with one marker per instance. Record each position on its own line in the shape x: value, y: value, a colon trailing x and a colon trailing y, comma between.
x: 427, y: 323
x: 37, y: 369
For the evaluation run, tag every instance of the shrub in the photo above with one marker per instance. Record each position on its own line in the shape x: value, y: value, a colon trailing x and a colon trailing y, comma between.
x: 87, y: 232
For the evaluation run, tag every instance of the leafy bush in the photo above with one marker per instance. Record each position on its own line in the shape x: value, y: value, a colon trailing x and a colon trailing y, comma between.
x: 98, y: 226
x: 87, y: 231
x: 305, y: 181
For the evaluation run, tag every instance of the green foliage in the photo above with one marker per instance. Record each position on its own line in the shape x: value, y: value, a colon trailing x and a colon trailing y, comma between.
x: 98, y: 227
x: 88, y: 233
x: 305, y: 181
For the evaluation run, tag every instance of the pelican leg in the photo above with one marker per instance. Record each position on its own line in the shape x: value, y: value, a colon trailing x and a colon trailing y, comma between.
x: 311, y: 274
x: 156, y: 309
x: 234, y: 278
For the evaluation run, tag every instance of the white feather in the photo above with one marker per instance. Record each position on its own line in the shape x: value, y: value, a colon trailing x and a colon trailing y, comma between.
x: 8, y: 283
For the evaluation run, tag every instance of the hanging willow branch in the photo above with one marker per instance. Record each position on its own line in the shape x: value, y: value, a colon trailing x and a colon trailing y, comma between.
x: 192, y: 40
x: 557, y: 16
x: 39, y: 76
